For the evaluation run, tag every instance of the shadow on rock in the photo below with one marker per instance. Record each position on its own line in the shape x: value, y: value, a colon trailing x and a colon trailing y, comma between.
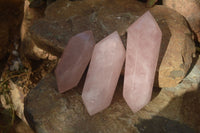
x: 160, y: 124
x: 166, y: 35
x: 190, y: 109
x: 181, y: 115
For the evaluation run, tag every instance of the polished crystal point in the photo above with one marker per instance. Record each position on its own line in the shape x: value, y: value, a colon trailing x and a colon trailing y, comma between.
x: 74, y: 60
x: 103, y: 74
x: 143, y: 45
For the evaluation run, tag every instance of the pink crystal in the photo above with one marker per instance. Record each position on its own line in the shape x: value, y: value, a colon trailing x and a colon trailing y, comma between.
x: 103, y: 74
x: 74, y: 60
x: 143, y: 45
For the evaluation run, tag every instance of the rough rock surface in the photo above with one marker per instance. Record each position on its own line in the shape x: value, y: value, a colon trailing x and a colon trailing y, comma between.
x: 28, y: 47
x: 48, y: 111
x: 180, y: 47
x: 190, y: 9
x: 64, y: 19
x: 67, y: 18
x: 11, y: 17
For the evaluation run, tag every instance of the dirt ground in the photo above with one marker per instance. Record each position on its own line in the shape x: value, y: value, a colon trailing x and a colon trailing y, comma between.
x: 27, y: 78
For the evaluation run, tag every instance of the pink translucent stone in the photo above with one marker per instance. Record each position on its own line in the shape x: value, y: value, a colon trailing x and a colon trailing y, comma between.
x: 103, y: 74
x: 143, y: 45
x: 74, y: 60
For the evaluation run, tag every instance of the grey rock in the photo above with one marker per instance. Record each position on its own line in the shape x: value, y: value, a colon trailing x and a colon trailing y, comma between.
x: 48, y: 111
x: 65, y: 19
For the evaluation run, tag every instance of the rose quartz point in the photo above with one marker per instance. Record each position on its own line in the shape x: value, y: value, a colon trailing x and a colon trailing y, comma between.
x: 103, y: 74
x: 143, y: 45
x: 74, y: 60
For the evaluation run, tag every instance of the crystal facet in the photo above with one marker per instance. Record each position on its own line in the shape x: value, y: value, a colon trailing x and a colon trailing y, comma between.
x: 143, y: 45
x: 74, y: 60
x: 103, y: 74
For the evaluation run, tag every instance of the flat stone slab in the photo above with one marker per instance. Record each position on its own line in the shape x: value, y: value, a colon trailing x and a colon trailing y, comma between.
x: 65, y: 19
x: 48, y: 111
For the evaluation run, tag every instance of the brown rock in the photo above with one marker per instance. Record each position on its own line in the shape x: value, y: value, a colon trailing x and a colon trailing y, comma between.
x: 28, y: 47
x: 22, y: 127
x: 61, y: 113
x: 48, y: 111
x: 190, y: 9
x: 63, y: 20
x: 179, y: 47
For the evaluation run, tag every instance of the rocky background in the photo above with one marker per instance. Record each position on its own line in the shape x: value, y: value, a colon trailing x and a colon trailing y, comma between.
x: 33, y: 36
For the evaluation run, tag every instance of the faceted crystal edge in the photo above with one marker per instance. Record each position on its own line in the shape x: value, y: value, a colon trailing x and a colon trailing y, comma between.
x: 159, y: 33
x: 117, y: 38
x: 86, y: 37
